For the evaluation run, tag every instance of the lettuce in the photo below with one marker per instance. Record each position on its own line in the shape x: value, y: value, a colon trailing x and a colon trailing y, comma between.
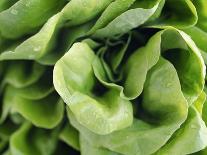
x: 110, y: 77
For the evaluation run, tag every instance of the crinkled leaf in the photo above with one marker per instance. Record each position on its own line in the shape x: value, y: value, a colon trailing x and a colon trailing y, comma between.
x: 76, y: 89
x: 142, y: 137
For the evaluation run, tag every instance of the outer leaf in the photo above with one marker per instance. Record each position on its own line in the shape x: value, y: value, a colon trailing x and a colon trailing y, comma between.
x: 199, y: 36
x: 33, y: 141
x: 44, y: 41
x: 128, y: 20
x: 87, y: 148
x: 171, y: 14
x: 45, y: 113
x: 34, y: 13
x: 202, y: 14
x: 36, y: 91
x: 21, y: 74
x: 192, y: 133
x: 4, y: 4
x: 198, y: 104
x: 70, y: 136
x: 199, y: 75
x: 112, y: 11
x: 90, y: 9
x: 191, y: 71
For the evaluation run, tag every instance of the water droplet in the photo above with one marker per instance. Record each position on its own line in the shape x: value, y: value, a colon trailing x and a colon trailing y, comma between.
x: 14, y: 12
x: 38, y: 48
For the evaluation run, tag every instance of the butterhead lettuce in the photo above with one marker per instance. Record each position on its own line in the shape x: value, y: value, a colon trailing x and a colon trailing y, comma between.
x: 110, y: 77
